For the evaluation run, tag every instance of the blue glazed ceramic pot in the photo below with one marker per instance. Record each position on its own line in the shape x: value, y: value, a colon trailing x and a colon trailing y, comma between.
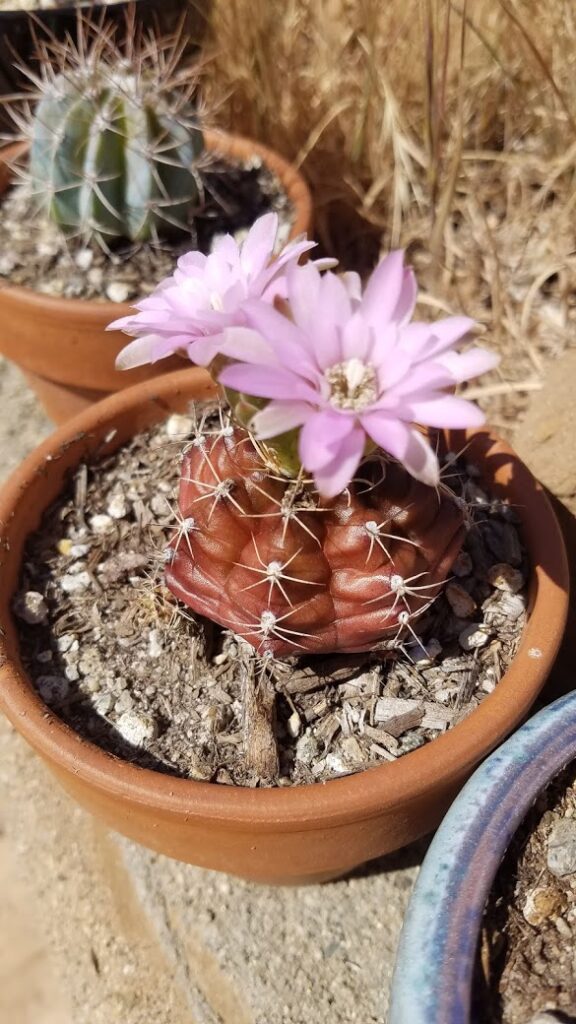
x: 435, y: 964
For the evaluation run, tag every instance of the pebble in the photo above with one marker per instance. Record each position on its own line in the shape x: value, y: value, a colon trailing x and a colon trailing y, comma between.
x: 136, y: 729
x: 294, y: 724
x: 118, y: 291
x: 7, y: 264
x: 84, y: 258
x: 52, y: 689
x: 461, y: 602
x: 124, y: 703
x: 473, y: 636
x: 512, y: 606
x: 178, y: 426
x: 505, y: 577
x: 74, y: 583
x: 561, y: 853
x: 307, y: 748
x: 155, y: 648
x: 541, y: 903
x: 79, y: 550
x: 32, y: 608
x: 103, y: 703
x: 66, y: 642
x: 101, y: 523
x: 117, y: 507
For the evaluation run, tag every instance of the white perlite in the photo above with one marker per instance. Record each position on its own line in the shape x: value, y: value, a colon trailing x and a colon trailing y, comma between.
x: 32, y: 608
x: 135, y: 729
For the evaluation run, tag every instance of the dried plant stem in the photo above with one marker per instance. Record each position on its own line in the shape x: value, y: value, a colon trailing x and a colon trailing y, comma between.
x: 261, y: 751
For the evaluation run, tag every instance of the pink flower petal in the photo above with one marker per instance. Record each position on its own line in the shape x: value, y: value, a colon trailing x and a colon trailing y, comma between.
x: 427, y: 340
x: 288, y: 342
x: 248, y: 346
x: 334, y: 477
x: 405, y: 444
x: 321, y: 437
x: 136, y: 353
x: 464, y: 365
x: 279, y: 417
x: 384, y: 290
x: 258, y: 246
x: 443, y: 411
x: 267, y: 382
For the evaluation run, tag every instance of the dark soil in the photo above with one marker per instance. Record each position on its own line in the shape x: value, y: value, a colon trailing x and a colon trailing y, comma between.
x: 113, y: 654
x: 528, y: 953
x: 33, y: 253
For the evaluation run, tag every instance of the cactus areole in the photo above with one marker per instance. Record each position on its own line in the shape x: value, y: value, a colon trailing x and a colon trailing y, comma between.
x: 112, y: 154
x: 313, y: 516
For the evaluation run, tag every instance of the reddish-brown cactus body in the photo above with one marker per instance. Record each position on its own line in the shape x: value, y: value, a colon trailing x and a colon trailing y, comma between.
x: 294, y: 574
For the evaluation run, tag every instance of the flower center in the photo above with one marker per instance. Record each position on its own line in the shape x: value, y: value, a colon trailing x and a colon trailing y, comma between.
x: 353, y: 384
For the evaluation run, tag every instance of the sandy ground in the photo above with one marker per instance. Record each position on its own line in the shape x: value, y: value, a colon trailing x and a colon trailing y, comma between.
x: 29, y: 989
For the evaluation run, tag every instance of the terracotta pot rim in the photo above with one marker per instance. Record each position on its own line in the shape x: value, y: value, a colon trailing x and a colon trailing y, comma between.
x: 361, y: 796
x: 92, y: 309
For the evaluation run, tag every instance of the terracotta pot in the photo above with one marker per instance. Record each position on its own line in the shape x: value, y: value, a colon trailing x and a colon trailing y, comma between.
x: 301, y: 833
x: 62, y: 345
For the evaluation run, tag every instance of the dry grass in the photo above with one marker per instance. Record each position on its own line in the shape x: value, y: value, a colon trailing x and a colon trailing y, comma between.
x: 445, y: 127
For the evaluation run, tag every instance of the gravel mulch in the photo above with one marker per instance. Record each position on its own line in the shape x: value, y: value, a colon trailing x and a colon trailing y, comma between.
x: 113, y: 654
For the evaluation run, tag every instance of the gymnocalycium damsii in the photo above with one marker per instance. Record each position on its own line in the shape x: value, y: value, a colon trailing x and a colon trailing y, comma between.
x: 315, y: 518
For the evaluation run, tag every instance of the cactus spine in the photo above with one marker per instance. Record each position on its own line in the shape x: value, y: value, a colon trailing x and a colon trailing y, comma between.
x: 113, y: 153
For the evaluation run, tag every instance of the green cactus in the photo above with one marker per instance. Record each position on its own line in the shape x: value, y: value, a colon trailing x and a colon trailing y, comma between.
x: 113, y: 152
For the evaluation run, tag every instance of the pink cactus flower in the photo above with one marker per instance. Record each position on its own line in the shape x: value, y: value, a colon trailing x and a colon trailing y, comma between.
x: 349, y: 368
x: 188, y: 311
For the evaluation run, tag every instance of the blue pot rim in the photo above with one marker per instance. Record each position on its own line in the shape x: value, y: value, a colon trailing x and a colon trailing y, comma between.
x: 433, y: 976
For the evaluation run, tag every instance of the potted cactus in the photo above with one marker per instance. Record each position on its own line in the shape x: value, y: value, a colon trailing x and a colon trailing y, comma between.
x: 316, y: 531
x: 118, y: 175
x: 22, y: 21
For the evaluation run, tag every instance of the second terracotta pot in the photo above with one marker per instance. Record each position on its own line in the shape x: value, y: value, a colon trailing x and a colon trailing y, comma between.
x: 295, y: 834
x: 62, y: 345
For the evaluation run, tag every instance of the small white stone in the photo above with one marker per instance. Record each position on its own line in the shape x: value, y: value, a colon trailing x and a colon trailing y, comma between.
x: 79, y: 550
x: 561, y: 855
x: 95, y: 277
x: 44, y: 657
x: 7, y: 264
x: 178, y: 426
x: 32, y: 608
x: 488, y: 681
x: 334, y: 764
x: 74, y: 584
x: 512, y: 606
x: 307, y: 748
x: 473, y: 636
x: 102, y: 704
x: 65, y: 642
x: 101, y: 523
x: 219, y: 659
x: 71, y: 672
x: 52, y: 689
x: 84, y: 259
x: 294, y: 724
x: 136, y: 729
x: 118, y: 291
x: 117, y: 507
x: 155, y: 648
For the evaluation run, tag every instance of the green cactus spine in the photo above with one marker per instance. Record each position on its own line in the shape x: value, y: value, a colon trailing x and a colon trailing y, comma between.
x: 112, y: 156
